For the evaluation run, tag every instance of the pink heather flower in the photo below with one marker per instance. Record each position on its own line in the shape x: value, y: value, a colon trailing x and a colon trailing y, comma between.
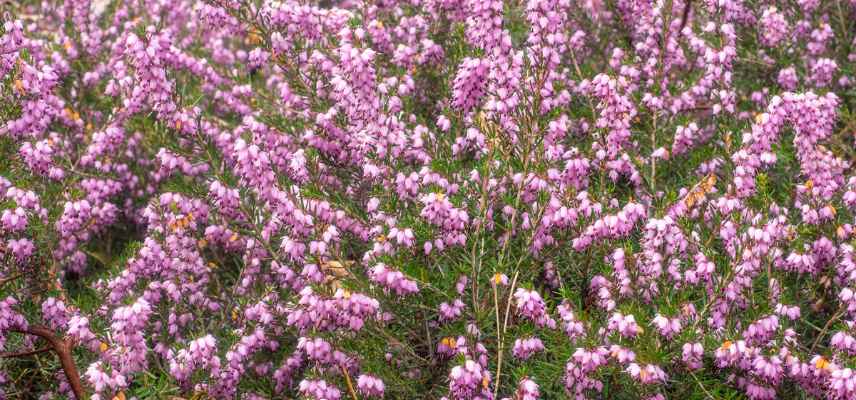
x: 792, y: 312
x: 452, y: 221
x: 469, y: 382
x: 532, y: 307
x: 667, y: 327
x: 622, y: 354
x: 581, y: 366
x: 625, y: 325
x: 443, y: 123
x: 602, y: 287
x: 762, y: 330
x: 461, y: 284
x: 843, y: 341
x: 527, y: 389
x: 343, y: 310
x: 469, y: 83
x: 200, y: 353
x: 788, y: 79
x: 823, y: 71
x: 808, y: 6
x: 572, y: 327
x: 702, y: 272
x: 451, y: 312
x: 14, y: 220
x: 526, y: 347
x: 843, y: 383
x: 403, y: 237
x: 22, y: 249
x: 78, y: 328
x: 819, y: 39
x: 55, y: 313
x: 647, y: 374
x: 9, y: 318
x: 611, y: 226
x: 392, y: 280
x: 660, y: 153
x: 692, y: 354
x: 370, y: 386
x: 316, y: 349
x: 616, y: 112
x: 102, y: 381
x: 319, y: 390
x: 774, y: 27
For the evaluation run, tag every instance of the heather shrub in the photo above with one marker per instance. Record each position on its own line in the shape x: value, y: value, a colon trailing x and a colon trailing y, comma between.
x: 427, y: 199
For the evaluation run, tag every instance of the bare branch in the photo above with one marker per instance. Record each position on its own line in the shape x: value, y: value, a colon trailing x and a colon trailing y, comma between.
x: 62, y: 348
x: 25, y: 353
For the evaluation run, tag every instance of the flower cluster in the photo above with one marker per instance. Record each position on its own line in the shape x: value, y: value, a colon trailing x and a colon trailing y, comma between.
x: 476, y: 199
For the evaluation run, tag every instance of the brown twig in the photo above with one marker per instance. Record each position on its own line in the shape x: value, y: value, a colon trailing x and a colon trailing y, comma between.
x: 501, y: 331
x: 686, y: 14
x: 706, y: 392
x: 62, y: 348
x: 348, y: 382
x: 838, y: 314
x: 25, y: 353
x: 9, y: 279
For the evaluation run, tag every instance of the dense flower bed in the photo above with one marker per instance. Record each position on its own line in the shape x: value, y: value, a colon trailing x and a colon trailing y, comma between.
x: 427, y: 199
